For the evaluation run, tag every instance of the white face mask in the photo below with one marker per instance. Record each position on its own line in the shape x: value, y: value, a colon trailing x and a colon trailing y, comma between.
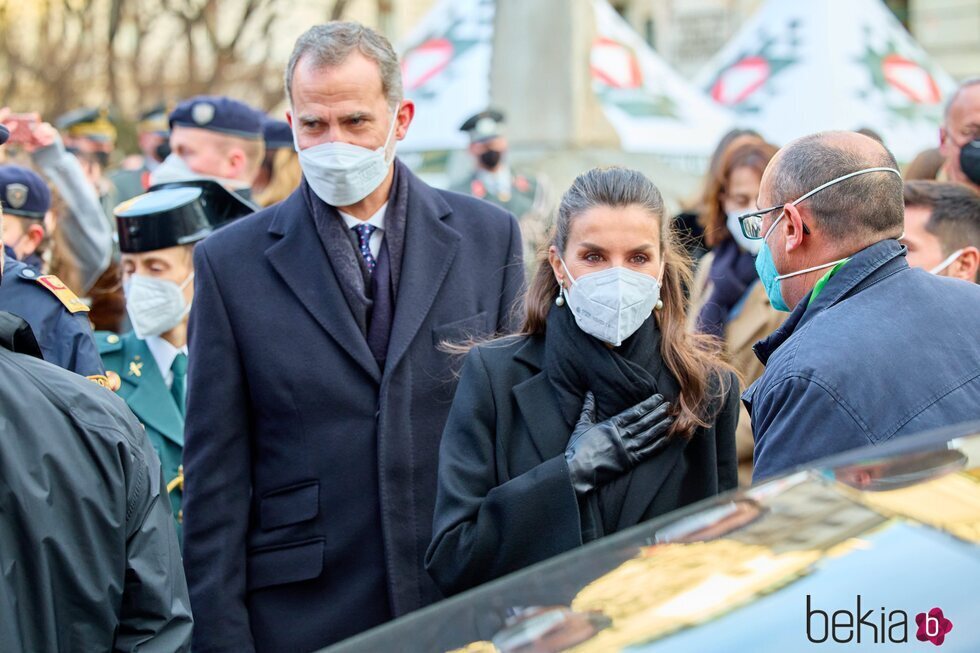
x: 155, y: 306
x: 174, y: 168
x: 342, y: 174
x: 946, y: 263
x: 750, y: 246
x: 612, y: 304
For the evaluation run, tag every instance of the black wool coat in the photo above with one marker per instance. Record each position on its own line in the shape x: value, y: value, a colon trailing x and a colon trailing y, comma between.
x: 505, y: 500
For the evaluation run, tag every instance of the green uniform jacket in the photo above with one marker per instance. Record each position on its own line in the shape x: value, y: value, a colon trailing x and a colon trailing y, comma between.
x: 147, y: 395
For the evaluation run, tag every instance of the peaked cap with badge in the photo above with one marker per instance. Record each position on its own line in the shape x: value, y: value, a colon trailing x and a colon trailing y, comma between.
x: 91, y: 123
x: 23, y: 192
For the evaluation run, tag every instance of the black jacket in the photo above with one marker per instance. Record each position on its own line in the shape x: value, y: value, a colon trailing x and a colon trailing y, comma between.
x: 505, y: 500
x: 87, y: 542
x: 310, y: 474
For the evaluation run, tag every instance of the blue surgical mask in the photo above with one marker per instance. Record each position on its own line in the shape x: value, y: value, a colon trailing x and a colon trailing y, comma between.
x: 765, y: 266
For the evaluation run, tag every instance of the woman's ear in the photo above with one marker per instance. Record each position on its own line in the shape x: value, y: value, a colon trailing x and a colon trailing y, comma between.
x: 556, y: 266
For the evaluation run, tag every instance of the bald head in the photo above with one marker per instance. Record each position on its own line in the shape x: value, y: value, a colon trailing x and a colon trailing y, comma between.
x: 859, y: 208
x: 962, y: 125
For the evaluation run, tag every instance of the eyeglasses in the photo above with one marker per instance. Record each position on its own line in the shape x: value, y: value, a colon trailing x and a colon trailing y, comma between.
x: 751, y: 223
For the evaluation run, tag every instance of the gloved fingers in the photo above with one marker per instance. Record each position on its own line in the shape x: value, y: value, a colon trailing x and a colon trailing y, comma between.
x: 587, y: 416
x: 649, y: 420
x: 634, y: 413
x: 653, y: 440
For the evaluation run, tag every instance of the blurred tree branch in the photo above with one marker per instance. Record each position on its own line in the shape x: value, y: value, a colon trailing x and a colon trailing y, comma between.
x: 56, y: 55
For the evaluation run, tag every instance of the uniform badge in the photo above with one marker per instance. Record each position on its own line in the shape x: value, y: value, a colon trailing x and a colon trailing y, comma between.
x: 63, y: 293
x: 202, y: 113
x: 135, y: 368
x: 108, y: 380
x: 17, y: 195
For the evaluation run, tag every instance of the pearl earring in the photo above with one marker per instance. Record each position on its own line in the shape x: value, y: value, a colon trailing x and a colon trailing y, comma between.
x: 560, y: 300
x: 659, y: 306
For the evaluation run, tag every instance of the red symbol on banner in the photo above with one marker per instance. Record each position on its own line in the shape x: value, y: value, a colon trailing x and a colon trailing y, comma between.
x: 426, y: 61
x: 911, y: 79
x: 741, y: 80
x: 614, y: 64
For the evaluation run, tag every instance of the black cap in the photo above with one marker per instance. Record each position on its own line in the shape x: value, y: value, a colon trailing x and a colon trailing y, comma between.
x: 277, y: 134
x: 220, y: 205
x: 4, y: 134
x: 160, y: 219
x: 219, y: 114
x: 23, y: 193
x: 484, y: 126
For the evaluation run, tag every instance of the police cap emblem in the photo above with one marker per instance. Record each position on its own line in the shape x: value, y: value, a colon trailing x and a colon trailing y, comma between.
x: 16, y: 195
x: 202, y: 113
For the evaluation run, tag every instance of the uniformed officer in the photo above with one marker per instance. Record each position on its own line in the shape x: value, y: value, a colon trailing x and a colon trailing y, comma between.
x: 493, y: 180
x: 153, y: 133
x: 26, y: 201
x: 217, y: 138
x: 57, y: 317
x: 157, y: 232
x: 89, y: 134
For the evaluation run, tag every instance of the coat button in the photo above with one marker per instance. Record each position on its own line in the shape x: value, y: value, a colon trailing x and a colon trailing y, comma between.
x: 113, y: 339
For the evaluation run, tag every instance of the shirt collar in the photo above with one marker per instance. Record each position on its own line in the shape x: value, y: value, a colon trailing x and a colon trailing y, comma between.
x: 377, y: 220
x: 163, y: 352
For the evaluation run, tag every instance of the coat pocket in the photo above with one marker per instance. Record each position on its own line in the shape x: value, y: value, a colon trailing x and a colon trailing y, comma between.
x: 474, y: 326
x: 289, y: 505
x: 284, y: 563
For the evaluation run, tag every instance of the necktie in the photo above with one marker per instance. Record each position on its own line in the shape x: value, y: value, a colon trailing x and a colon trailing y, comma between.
x: 179, y: 387
x: 364, y: 232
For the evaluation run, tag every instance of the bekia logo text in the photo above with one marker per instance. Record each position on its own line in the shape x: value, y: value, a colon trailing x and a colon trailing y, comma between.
x: 873, y: 626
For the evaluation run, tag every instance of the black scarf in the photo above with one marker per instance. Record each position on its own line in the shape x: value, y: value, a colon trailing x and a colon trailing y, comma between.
x: 732, y: 272
x: 620, y: 377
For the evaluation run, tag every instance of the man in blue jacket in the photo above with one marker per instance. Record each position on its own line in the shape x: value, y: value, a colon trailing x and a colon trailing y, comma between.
x: 318, y: 383
x: 872, y: 349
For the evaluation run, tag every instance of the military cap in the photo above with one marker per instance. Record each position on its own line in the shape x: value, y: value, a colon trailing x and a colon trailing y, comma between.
x: 220, y: 205
x: 154, y: 120
x: 484, y: 126
x: 277, y: 134
x: 161, y: 218
x: 90, y: 123
x: 23, y: 192
x: 219, y: 114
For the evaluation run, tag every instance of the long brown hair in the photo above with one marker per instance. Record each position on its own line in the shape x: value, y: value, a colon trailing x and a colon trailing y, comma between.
x: 746, y: 151
x: 693, y: 359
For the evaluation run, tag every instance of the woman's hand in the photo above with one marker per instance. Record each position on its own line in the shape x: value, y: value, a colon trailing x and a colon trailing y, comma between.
x: 599, y: 453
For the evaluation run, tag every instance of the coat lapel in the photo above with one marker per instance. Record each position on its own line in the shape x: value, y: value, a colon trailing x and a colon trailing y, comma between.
x: 150, y: 399
x: 298, y: 258
x: 429, y: 249
x: 538, y: 404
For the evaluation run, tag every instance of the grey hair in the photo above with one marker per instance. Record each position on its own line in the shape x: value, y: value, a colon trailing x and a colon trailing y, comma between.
x: 613, y: 186
x: 865, y: 205
x: 970, y: 81
x: 330, y: 45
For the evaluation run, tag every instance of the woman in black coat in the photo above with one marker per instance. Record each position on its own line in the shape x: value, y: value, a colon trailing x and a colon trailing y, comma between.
x: 604, y: 412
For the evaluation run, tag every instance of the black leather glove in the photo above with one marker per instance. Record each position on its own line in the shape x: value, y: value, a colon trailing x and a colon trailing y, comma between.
x: 599, y: 453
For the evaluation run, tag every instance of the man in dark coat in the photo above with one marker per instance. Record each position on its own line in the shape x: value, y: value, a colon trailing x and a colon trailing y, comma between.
x: 872, y: 350
x: 318, y: 385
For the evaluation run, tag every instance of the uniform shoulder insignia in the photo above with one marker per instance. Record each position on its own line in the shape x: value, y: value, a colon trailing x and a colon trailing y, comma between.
x: 62, y: 292
x: 108, y: 380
